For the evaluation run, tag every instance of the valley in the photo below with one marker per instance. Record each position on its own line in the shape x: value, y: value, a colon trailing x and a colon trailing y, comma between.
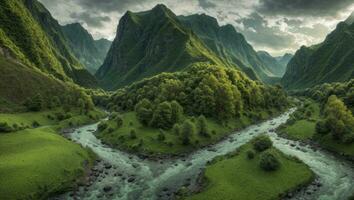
x: 178, y: 104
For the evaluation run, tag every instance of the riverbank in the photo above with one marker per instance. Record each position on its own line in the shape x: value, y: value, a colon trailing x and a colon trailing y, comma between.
x: 236, y: 175
x: 35, y: 161
x: 146, y: 144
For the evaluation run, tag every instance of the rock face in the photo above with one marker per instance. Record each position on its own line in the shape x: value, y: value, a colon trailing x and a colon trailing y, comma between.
x: 91, y: 53
x: 35, y: 38
x: 329, y: 61
x: 230, y: 45
x: 148, y: 43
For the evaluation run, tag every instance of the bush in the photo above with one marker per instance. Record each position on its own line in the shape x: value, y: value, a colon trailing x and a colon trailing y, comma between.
x: 322, y: 128
x: 5, y: 128
x: 35, y: 124
x: 102, y: 126
x: 262, y: 143
x: 269, y: 162
x: 188, y: 130
x: 250, y: 154
x: 348, y: 138
x: 161, y: 136
x: 119, y: 121
x: 132, y: 134
x: 144, y: 111
x: 203, y: 126
x: 176, y: 129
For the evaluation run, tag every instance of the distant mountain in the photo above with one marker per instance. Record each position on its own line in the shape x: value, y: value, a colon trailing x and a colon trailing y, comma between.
x: 148, y: 43
x: 284, y: 60
x: 350, y: 19
x: 228, y: 44
x: 329, y: 61
x: 273, y: 64
x: 91, y: 53
x: 34, y: 37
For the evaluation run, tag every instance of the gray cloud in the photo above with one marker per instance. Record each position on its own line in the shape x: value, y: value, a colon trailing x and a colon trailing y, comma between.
x: 303, y: 7
x: 258, y: 32
x: 109, y: 5
x: 93, y: 20
x: 206, y: 4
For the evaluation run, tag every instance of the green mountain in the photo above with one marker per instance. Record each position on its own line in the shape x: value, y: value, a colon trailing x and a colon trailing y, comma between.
x: 273, y: 64
x: 35, y: 38
x: 149, y: 43
x: 91, y: 53
x: 329, y: 61
x: 284, y: 60
x: 228, y: 44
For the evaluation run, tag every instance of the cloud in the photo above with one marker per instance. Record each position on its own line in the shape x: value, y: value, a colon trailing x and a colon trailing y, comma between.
x: 303, y: 7
x: 259, y: 32
x: 206, y: 4
x: 93, y: 20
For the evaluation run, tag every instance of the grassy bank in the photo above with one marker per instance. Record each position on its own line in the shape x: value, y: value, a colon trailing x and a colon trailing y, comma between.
x: 146, y: 138
x: 304, y: 129
x: 37, y: 162
x: 238, y: 177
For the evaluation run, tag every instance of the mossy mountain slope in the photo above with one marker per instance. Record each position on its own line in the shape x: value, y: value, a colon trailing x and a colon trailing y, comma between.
x: 329, y: 61
x: 273, y: 64
x: 91, y: 53
x: 34, y: 37
x: 228, y: 44
x: 148, y: 43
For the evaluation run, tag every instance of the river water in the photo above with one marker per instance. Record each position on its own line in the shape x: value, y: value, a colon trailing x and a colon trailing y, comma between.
x: 128, y: 177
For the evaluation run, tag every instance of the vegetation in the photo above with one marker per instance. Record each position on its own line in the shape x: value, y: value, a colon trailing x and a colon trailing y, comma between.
x: 36, y: 163
x: 193, y: 108
x: 236, y: 175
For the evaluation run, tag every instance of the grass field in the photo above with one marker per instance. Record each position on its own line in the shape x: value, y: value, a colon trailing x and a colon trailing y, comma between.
x: 239, y: 178
x: 36, y: 162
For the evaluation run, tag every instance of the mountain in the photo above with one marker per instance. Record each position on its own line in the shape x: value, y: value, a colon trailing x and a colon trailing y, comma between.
x: 148, y: 43
x: 350, y: 19
x: 91, y: 53
x: 34, y: 37
x: 284, y: 60
x: 273, y: 64
x: 329, y: 61
x: 228, y: 44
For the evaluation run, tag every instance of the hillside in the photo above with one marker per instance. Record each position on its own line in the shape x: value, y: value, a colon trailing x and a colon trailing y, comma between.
x: 273, y: 64
x: 33, y: 36
x: 284, y: 60
x: 91, y: 53
x: 228, y: 44
x: 329, y: 61
x: 148, y: 43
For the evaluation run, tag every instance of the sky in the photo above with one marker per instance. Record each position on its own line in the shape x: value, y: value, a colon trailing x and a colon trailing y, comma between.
x: 275, y: 26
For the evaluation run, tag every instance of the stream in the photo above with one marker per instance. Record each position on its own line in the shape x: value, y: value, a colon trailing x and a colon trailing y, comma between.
x: 125, y: 176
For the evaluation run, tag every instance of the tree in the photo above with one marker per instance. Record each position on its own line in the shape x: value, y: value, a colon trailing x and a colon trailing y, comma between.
x: 81, y: 105
x: 203, y: 126
x: 144, y: 111
x: 161, y: 136
x: 162, y: 116
x: 34, y: 104
x: 262, y: 143
x: 188, y: 130
x: 5, y: 128
x: 119, y: 121
x: 269, y: 162
x: 132, y: 134
x: 176, y: 129
x: 177, y: 112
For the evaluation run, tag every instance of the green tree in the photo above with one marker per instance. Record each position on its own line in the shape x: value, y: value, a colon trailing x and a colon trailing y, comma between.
x: 34, y: 104
x: 269, y: 162
x: 262, y: 143
x: 188, y: 130
x: 144, y: 111
x: 203, y: 126
x: 177, y: 112
x: 162, y: 116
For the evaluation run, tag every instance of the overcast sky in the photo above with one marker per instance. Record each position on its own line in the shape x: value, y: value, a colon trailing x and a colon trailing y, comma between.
x: 276, y: 26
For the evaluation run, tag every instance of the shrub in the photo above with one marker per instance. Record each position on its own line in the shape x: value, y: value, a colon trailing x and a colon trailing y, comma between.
x: 203, y: 126
x: 132, y: 134
x: 5, y: 128
x: 119, y: 121
x: 250, y: 154
x: 161, y: 136
x: 269, y: 162
x: 176, y: 129
x: 188, y: 130
x: 102, y: 126
x: 144, y: 111
x: 35, y: 124
x: 348, y: 138
x: 110, y: 130
x: 262, y: 143
x: 322, y: 128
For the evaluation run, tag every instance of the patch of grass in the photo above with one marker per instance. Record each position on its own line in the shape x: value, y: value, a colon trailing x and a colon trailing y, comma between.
x: 238, y: 177
x: 146, y: 141
x: 35, y: 163
x: 328, y: 143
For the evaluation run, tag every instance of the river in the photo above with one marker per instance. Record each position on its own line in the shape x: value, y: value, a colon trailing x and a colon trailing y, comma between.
x: 128, y: 177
